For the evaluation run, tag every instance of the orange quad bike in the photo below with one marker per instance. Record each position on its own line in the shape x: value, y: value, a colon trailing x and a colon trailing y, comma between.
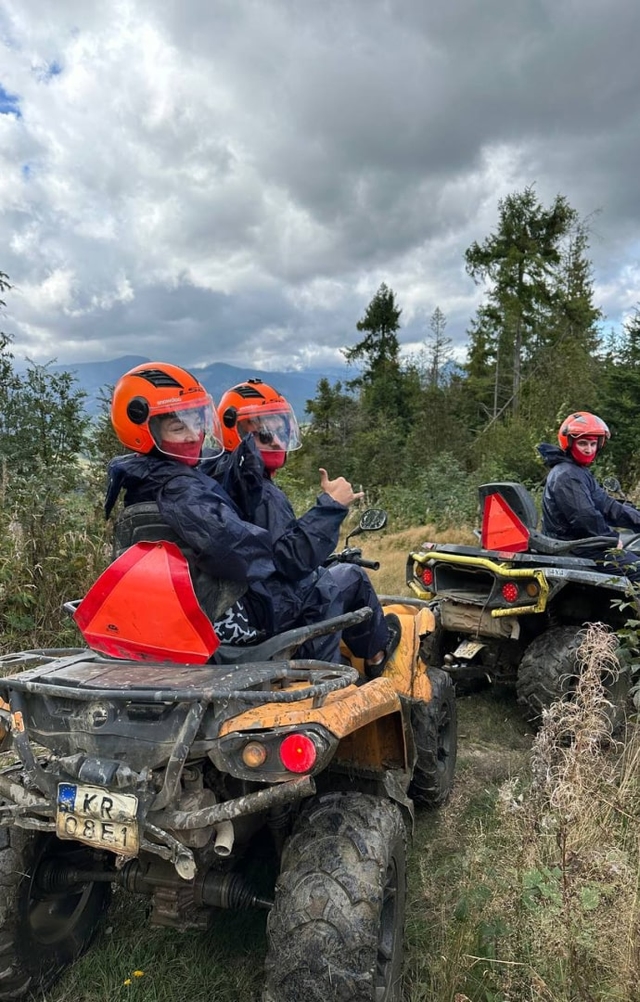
x: 159, y: 761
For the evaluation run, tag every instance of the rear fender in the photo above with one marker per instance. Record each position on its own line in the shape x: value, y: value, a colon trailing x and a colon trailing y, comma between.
x: 405, y: 670
x: 367, y: 720
x: 378, y: 746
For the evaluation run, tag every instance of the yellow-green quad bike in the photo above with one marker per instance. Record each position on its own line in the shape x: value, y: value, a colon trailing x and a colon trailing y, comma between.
x: 160, y: 762
x: 514, y: 608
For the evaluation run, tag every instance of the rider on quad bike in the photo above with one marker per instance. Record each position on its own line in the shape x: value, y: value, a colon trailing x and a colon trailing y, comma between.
x: 514, y: 608
x: 166, y: 416
x: 254, y: 415
x: 574, y: 506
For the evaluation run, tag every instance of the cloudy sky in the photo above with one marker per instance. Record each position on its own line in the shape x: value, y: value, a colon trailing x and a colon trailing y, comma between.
x: 231, y: 180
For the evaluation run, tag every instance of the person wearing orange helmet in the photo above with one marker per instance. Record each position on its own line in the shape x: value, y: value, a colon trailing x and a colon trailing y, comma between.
x: 574, y: 506
x: 258, y: 409
x: 256, y: 420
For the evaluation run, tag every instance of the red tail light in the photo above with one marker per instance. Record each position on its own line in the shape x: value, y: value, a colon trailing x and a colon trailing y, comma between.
x: 427, y: 576
x: 510, y: 591
x: 298, y: 753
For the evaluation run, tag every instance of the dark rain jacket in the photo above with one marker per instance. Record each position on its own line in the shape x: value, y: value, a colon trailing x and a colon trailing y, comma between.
x: 301, y: 544
x: 278, y: 573
x: 574, y: 505
x: 329, y: 591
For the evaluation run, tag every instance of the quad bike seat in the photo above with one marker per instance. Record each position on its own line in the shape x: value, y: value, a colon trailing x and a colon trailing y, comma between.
x: 517, y: 518
x: 143, y: 522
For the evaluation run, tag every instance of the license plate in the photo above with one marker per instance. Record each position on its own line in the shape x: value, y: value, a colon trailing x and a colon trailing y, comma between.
x: 468, y: 648
x: 98, y: 817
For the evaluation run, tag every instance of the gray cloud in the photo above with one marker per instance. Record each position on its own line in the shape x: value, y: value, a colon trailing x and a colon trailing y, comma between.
x: 233, y: 181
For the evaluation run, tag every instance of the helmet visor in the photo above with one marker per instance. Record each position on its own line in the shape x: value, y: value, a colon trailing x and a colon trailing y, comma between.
x: 274, y: 431
x: 188, y: 429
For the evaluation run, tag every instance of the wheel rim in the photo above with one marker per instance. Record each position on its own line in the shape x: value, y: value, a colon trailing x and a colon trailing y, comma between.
x: 53, y: 915
x: 387, y: 936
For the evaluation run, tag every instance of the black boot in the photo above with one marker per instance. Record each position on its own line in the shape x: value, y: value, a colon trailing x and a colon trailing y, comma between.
x: 395, y: 632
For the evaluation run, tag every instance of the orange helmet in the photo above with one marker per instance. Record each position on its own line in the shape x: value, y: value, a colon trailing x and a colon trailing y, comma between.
x: 255, y: 407
x: 582, y: 424
x: 156, y: 390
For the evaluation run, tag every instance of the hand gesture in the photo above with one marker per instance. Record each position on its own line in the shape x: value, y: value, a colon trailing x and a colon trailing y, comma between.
x: 339, y: 489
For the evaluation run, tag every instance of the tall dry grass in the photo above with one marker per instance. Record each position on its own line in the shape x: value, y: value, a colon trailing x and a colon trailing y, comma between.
x: 392, y: 549
x: 538, y: 894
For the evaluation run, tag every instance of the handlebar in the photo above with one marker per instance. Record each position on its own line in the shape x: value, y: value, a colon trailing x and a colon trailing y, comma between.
x: 352, y: 555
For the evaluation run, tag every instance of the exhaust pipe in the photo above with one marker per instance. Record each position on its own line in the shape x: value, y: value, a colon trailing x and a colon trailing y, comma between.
x: 225, y: 836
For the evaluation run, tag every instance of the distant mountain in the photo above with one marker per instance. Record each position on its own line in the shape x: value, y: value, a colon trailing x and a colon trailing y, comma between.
x: 97, y: 378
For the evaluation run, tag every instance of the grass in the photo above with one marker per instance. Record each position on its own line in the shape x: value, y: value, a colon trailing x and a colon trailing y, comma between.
x: 224, y: 964
x: 392, y: 549
x: 528, y: 880
x: 444, y: 934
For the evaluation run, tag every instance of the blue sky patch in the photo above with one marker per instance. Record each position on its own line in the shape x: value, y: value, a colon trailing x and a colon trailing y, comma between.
x: 46, y: 71
x: 9, y: 103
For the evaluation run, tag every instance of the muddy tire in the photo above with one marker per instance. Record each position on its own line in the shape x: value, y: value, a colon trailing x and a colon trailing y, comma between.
x: 548, y: 670
x: 336, y: 929
x: 42, y: 932
x: 435, y: 732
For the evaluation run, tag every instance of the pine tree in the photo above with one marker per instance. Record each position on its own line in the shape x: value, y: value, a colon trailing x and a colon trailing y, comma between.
x: 517, y: 262
x: 381, y: 381
x: 438, y: 348
x: 563, y: 367
x: 379, y: 348
x: 328, y: 438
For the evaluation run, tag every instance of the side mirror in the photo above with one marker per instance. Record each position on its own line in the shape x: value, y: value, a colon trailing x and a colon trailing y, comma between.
x: 610, y: 484
x: 370, y: 521
x: 373, y: 519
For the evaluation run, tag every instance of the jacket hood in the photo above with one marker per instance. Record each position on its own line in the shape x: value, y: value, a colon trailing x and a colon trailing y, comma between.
x: 141, y: 475
x: 552, y: 455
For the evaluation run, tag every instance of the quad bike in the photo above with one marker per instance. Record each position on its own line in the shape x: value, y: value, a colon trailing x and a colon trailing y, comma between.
x: 158, y: 761
x: 514, y: 608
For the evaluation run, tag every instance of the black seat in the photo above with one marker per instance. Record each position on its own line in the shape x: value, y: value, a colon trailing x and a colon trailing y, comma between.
x: 143, y: 523
x: 516, y: 496
x: 284, y: 645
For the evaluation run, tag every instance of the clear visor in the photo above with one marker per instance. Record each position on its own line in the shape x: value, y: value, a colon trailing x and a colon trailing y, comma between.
x: 187, y: 430
x: 275, y: 431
